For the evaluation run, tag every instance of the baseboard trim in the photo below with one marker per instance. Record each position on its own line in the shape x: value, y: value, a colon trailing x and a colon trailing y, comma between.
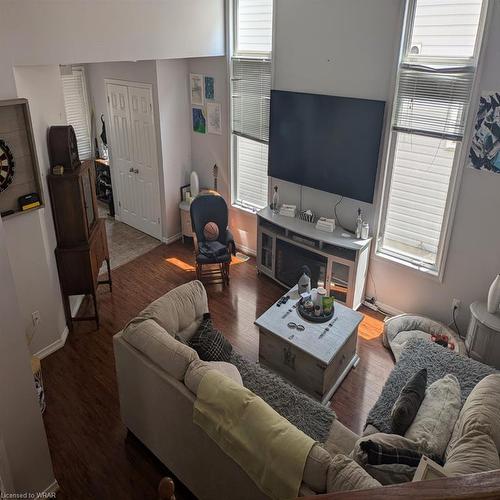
x: 171, y: 239
x: 56, y: 345
x: 384, y: 308
x: 246, y: 250
x: 52, y: 488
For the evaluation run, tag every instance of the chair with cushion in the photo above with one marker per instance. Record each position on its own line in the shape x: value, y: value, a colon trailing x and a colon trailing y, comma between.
x: 214, y: 242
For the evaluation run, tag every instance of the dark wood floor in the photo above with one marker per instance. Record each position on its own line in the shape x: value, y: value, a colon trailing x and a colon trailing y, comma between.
x: 92, y: 455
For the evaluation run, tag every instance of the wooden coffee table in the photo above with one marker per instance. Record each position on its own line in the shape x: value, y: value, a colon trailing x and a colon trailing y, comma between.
x: 315, y: 360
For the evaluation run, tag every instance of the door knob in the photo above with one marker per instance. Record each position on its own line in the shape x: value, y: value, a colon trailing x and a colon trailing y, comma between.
x: 131, y: 170
x: 136, y: 171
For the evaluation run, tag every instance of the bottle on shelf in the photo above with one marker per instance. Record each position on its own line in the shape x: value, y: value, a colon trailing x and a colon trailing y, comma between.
x: 276, y: 201
x: 359, y: 224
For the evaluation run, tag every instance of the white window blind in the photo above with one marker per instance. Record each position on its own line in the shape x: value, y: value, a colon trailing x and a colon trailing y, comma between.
x: 77, y: 109
x: 254, y: 27
x: 250, y: 101
x: 431, y: 106
x: 251, y: 159
x: 251, y: 94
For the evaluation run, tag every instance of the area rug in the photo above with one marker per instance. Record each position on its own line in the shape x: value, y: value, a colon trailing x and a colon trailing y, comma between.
x: 308, y: 415
x: 418, y: 354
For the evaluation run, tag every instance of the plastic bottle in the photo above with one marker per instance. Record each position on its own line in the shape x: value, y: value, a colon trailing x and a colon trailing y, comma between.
x: 276, y: 201
x: 359, y: 224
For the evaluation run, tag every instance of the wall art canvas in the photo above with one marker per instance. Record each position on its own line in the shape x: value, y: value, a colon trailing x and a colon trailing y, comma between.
x: 196, y: 87
x: 214, y: 118
x: 199, y: 122
x: 209, y: 87
x: 484, y: 152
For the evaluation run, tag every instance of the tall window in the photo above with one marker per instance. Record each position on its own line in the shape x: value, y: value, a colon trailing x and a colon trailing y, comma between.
x: 250, y: 91
x: 436, y: 72
x: 76, y: 103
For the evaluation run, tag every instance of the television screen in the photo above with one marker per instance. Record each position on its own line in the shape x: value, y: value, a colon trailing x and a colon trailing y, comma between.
x: 326, y: 142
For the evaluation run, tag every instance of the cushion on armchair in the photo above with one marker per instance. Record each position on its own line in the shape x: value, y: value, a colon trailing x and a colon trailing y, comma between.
x: 179, y: 311
x: 437, y: 415
x: 344, y: 474
x: 155, y: 343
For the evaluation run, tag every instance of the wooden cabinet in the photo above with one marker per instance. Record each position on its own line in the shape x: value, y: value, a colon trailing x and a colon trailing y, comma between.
x: 81, y: 236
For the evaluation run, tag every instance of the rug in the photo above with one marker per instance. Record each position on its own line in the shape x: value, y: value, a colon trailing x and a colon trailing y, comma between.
x: 439, y: 361
x: 308, y: 415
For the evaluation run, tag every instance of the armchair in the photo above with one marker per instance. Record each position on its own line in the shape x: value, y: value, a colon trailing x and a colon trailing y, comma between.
x: 217, y: 252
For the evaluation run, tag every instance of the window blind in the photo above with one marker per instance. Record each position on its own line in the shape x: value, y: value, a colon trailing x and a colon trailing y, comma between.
x: 433, y: 101
x: 251, y: 94
x: 77, y: 110
x: 251, y: 186
x: 254, y: 27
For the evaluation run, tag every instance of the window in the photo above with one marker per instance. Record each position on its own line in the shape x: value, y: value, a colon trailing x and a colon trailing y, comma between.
x: 250, y: 100
x: 76, y: 104
x: 430, y: 108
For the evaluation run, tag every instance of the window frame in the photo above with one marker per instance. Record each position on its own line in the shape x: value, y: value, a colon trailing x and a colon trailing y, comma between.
x: 390, y: 139
x: 86, y: 101
x: 232, y: 53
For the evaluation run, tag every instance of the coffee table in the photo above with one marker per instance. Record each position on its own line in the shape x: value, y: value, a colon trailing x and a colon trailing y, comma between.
x: 316, y: 360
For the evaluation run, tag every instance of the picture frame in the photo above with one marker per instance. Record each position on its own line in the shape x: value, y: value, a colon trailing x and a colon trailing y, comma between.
x: 197, y: 90
x: 185, y: 190
x: 214, y: 118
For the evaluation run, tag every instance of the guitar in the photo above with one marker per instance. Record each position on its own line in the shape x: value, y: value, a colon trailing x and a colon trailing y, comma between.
x: 215, y: 173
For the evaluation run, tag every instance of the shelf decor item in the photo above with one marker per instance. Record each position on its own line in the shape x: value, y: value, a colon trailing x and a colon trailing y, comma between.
x: 494, y: 296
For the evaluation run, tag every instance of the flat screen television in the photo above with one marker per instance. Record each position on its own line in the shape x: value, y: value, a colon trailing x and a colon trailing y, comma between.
x: 326, y: 142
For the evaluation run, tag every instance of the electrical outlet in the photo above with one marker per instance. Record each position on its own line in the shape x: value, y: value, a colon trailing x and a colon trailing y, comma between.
x: 455, y: 304
x: 35, y: 316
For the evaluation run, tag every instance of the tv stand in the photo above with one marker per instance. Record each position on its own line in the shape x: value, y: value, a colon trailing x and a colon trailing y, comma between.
x: 338, y: 261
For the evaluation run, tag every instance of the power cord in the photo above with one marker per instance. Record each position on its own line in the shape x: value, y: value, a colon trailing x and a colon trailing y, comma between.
x: 337, y: 220
x: 455, y: 321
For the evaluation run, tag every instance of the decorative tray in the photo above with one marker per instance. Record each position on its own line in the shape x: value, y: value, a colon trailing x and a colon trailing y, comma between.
x: 309, y: 316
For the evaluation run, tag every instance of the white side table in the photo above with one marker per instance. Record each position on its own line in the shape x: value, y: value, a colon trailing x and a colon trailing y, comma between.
x: 187, y: 230
x: 483, y: 335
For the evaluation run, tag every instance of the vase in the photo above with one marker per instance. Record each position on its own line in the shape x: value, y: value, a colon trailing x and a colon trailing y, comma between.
x: 494, y: 295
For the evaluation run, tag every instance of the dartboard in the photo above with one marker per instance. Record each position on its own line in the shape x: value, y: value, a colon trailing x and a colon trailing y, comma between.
x: 6, y: 166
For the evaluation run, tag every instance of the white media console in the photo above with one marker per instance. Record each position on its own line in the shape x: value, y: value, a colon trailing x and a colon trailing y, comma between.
x: 338, y: 261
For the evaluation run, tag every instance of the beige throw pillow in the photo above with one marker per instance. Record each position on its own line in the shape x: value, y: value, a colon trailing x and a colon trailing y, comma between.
x: 481, y: 411
x: 154, y: 342
x: 436, y: 416
x: 473, y: 452
x: 198, y: 369
x: 344, y: 474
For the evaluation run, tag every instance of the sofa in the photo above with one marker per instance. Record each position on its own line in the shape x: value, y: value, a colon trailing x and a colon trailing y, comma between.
x: 158, y: 377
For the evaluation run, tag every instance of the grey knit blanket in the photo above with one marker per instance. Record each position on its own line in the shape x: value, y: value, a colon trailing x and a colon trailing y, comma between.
x: 418, y: 354
x: 308, y: 415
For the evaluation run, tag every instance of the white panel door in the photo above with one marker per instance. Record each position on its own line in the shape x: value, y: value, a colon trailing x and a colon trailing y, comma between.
x: 133, y: 150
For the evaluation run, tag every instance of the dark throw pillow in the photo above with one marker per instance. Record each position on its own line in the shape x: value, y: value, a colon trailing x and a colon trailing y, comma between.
x: 409, y: 400
x: 209, y: 343
x: 377, y: 454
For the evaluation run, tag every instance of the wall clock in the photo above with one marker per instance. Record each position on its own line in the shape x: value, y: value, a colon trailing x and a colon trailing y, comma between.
x: 6, y: 166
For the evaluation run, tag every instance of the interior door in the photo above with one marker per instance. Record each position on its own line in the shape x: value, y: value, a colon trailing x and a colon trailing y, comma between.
x: 133, y: 151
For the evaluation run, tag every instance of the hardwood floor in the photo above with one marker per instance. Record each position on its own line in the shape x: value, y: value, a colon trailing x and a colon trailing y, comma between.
x: 92, y: 455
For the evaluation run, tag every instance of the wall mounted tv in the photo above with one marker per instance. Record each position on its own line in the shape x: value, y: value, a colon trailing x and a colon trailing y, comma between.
x: 326, y: 142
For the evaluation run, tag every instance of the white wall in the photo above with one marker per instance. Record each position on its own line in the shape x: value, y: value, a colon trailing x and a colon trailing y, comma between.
x: 175, y: 125
x: 25, y: 444
x: 30, y: 237
x: 36, y: 32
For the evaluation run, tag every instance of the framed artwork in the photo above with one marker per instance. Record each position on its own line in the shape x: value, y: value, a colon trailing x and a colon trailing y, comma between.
x: 199, y: 122
x: 214, y: 118
x: 209, y: 87
x: 185, y: 191
x: 196, y: 87
x: 484, y: 151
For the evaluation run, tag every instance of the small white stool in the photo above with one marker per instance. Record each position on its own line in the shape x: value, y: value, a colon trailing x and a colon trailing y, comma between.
x: 483, y: 335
